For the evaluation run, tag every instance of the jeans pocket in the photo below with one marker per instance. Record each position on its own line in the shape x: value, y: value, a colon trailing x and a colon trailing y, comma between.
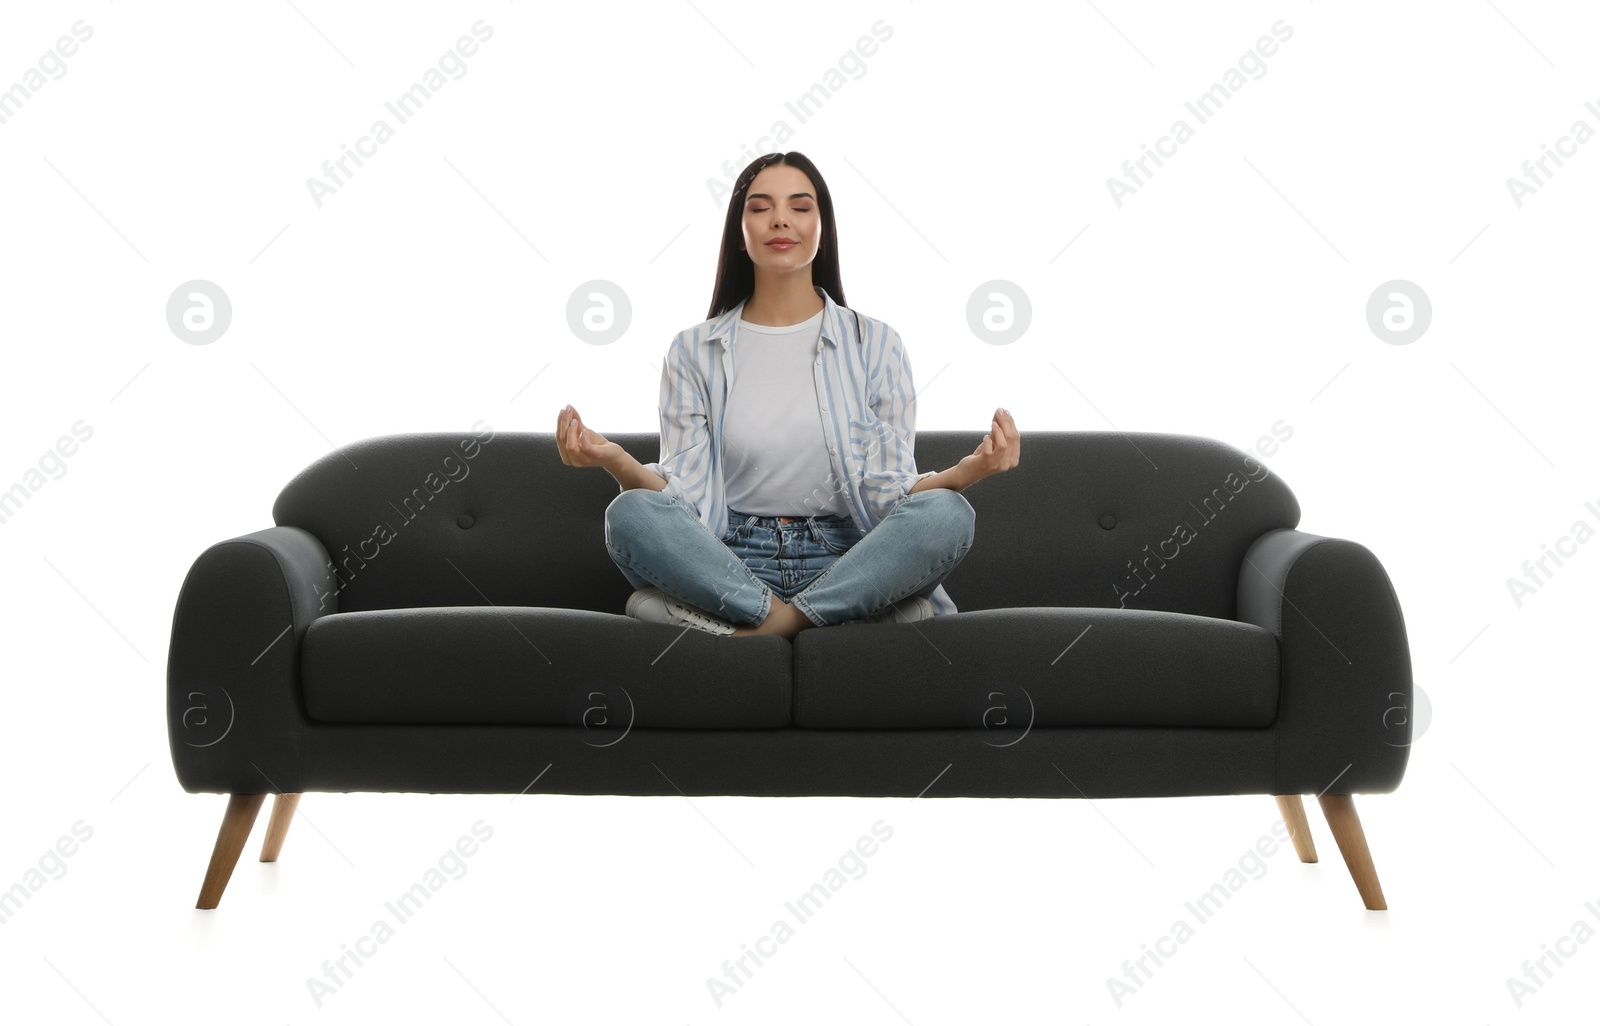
x: 839, y: 538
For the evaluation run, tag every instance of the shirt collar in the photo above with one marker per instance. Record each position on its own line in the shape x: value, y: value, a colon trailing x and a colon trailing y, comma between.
x: 724, y: 327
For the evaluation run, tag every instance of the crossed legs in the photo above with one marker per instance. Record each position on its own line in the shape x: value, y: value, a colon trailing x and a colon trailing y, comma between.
x: 655, y: 540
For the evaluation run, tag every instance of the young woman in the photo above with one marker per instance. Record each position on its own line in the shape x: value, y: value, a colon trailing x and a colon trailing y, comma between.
x: 787, y: 494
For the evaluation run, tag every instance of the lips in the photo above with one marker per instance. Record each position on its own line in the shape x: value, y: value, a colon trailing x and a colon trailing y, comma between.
x: 782, y: 244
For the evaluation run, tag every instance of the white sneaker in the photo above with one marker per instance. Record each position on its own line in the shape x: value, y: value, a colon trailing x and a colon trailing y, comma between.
x: 913, y: 607
x: 653, y: 605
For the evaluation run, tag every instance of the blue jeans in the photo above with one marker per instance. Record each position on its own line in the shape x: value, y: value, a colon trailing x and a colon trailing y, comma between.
x: 823, y: 565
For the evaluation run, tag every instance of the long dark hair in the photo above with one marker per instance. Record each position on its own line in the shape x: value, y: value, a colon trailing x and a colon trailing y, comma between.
x: 736, y: 274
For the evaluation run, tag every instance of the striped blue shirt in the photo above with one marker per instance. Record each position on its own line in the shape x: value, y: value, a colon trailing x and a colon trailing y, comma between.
x: 865, y: 399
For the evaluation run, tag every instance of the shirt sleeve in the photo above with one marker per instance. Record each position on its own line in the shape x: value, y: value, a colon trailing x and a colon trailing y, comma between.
x: 890, y: 454
x: 685, y: 457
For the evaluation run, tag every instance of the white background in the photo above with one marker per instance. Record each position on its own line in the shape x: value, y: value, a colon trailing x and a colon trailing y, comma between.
x: 1226, y: 294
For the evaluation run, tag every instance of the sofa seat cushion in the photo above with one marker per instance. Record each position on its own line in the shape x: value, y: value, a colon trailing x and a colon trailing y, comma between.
x: 538, y: 665
x: 999, y: 670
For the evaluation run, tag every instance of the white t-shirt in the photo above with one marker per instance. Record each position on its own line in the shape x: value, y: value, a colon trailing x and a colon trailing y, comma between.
x: 775, y: 461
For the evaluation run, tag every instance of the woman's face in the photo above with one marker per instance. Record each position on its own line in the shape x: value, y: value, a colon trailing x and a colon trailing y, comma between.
x: 781, y: 203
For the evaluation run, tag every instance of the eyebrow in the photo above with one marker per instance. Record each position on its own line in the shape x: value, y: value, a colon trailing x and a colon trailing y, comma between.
x: 792, y: 195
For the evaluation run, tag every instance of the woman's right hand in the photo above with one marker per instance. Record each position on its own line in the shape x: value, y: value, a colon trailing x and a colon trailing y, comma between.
x: 582, y: 446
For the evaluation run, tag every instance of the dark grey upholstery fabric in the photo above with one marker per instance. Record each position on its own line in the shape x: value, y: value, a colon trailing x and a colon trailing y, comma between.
x: 1065, y: 762
x: 1088, y: 518
x: 572, y: 667
x: 1051, y: 667
x: 1344, y: 716
x: 420, y: 621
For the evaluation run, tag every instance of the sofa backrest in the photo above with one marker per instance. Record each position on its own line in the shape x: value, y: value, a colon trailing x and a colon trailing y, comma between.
x: 1087, y: 518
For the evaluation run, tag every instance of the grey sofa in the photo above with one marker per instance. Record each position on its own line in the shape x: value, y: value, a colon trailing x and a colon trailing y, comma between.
x: 1139, y: 616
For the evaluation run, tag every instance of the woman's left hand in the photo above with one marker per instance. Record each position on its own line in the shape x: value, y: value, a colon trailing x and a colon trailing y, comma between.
x: 1000, y: 450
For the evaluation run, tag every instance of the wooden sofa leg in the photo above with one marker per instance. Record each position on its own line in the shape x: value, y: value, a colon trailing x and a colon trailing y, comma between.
x: 1293, y: 811
x: 1340, y: 809
x: 235, y: 830
x: 278, y: 826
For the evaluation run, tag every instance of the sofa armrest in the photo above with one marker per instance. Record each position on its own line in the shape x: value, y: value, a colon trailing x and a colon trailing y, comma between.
x: 1343, y: 723
x: 235, y: 710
